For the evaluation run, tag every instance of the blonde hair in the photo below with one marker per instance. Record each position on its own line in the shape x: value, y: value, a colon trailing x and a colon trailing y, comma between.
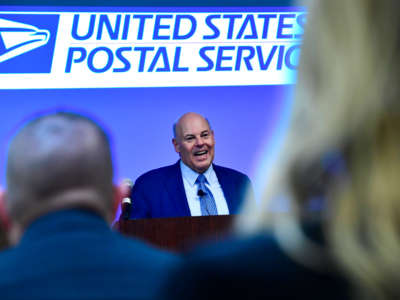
x: 347, y: 98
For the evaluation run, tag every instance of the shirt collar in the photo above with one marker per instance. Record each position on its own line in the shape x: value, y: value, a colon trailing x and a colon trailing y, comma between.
x: 191, y: 175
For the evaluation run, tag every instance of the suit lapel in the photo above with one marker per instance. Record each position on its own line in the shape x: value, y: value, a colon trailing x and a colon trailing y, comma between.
x: 176, y: 190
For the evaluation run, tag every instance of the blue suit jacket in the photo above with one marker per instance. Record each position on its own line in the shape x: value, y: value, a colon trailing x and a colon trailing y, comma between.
x: 160, y: 193
x: 73, y: 254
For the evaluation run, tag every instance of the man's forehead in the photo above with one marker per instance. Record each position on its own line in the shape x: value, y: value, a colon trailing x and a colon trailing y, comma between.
x: 194, y: 125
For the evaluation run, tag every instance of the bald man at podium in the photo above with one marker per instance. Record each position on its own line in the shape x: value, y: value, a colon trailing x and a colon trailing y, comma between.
x: 193, y: 186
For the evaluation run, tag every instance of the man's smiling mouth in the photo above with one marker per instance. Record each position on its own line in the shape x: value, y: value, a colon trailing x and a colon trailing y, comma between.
x: 199, y: 153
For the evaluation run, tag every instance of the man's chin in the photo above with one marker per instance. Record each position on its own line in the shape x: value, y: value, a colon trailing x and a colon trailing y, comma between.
x: 201, y: 168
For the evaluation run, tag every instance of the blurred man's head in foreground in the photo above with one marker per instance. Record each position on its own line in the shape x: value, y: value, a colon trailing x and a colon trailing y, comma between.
x: 56, y: 161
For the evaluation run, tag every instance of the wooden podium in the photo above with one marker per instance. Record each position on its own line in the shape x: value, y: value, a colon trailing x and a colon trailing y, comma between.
x: 177, y: 234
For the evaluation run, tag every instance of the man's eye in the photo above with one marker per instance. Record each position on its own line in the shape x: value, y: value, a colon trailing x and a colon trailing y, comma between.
x: 189, y: 138
x: 205, y: 134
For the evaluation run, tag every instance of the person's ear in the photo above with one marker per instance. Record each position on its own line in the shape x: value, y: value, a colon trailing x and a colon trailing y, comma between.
x: 2, y: 198
x: 4, y: 220
x: 176, y: 145
x: 13, y: 230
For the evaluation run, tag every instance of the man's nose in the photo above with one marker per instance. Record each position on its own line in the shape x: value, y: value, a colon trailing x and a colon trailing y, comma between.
x: 199, y: 142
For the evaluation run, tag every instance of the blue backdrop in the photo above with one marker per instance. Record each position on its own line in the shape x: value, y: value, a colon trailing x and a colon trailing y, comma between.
x: 246, y: 121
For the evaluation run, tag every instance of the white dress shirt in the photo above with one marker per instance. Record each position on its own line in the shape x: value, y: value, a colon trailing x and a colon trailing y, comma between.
x: 189, y: 182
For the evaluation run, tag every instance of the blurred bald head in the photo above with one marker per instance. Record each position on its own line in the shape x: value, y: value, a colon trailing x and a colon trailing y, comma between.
x: 59, y: 160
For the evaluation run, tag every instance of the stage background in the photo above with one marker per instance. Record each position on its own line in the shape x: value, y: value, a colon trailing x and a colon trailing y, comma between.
x: 249, y: 121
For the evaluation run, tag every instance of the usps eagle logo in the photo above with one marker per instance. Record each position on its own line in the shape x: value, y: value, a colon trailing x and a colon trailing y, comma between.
x: 18, y: 38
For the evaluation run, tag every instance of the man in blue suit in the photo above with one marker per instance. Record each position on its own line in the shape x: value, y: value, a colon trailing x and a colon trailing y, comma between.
x: 60, y: 200
x: 193, y: 186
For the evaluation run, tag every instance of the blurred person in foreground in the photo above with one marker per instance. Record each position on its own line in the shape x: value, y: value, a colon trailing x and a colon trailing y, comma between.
x: 59, y: 198
x: 343, y: 151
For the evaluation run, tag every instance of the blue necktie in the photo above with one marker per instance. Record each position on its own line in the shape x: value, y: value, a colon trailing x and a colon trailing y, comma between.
x: 207, y: 202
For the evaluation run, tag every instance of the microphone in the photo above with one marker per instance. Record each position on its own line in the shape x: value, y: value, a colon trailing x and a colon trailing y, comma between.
x: 126, y: 203
x: 126, y: 208
x: 200, y: 193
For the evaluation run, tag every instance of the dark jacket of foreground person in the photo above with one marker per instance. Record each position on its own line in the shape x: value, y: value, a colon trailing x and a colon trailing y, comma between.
x: 251, y: 268
x: 73, y: 254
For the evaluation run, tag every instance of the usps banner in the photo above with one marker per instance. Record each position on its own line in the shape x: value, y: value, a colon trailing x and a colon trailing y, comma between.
x: 139, y: 48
